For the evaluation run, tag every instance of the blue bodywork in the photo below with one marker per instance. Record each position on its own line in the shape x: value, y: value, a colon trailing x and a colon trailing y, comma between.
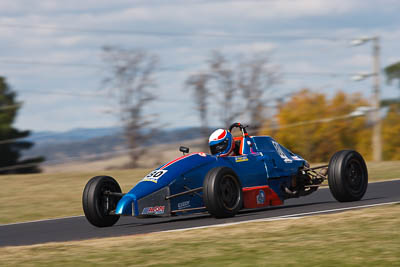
x: 264, y: 162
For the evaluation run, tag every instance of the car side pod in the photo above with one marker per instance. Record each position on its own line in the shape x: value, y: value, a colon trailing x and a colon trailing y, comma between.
x: 126, y: 205
x: 260, y: 196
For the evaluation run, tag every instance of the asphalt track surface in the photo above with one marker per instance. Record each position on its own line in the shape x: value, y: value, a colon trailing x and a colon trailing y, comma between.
x: 77, y: 228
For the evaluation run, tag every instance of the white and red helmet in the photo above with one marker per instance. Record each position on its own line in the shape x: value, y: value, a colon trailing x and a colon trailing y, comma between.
x: 221, y: 143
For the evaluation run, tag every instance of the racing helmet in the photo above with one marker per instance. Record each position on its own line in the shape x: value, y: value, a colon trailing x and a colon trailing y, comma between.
x: 221, y: 143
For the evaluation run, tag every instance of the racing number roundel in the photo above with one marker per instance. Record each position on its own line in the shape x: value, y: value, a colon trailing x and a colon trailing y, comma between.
x: 154, y: 176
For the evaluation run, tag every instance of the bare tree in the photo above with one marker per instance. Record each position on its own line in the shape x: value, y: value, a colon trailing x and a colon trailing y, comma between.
x: 198, y: 83
x: 256, y: 76
x: 131, y: 78
x: 224, y: 76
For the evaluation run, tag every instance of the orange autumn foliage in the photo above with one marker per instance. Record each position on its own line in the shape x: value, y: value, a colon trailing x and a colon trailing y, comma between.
x: 391, y: 134
x: 317, y: 141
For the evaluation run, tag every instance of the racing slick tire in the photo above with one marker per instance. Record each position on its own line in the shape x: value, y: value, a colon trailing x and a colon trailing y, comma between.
x: 347, y: 176
x: 96, y: 205
x: 222, y: 192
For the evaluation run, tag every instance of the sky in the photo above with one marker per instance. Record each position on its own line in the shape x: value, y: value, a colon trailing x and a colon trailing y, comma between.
x: 51, y: 51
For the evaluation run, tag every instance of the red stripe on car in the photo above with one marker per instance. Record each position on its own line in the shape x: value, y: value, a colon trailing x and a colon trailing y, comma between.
x: 176, y: 160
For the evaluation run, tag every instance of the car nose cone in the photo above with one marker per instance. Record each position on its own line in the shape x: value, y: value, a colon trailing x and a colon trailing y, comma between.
x: 126, y: 205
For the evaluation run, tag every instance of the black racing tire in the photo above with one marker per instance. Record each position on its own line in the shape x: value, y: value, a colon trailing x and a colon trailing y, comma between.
x: 222, y: 192
x: 347, y: 176
x: 94, y: 201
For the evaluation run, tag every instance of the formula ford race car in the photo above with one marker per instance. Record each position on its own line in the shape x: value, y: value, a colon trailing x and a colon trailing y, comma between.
x: 264, y: 173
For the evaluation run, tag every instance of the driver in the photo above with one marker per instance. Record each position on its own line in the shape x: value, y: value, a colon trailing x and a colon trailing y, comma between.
x: 221, y: 143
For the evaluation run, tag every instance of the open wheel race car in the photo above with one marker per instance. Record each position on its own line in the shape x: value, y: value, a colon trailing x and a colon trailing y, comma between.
x: 263, y: 173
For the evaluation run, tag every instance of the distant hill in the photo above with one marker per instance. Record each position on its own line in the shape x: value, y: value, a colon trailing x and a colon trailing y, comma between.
x: 94, y: 144
x: 75, y: 135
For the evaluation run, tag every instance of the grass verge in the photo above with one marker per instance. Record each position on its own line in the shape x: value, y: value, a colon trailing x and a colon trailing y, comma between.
x: 385, y: 170
x: 41, y: 196
x: 367, y: 237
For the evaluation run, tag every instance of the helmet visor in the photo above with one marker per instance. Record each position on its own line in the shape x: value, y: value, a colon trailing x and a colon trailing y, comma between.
x: 220, y: 147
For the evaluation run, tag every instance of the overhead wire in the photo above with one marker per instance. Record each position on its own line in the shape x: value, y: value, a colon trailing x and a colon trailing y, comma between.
x: 166, y: 68
x: 47, y: 63
x: 64, y: 93
x: 172, y: 33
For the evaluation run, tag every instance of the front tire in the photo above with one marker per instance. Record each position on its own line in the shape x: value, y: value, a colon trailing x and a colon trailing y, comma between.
x: 96, y: 205
x: 347, y: 176
x: 222, y: 192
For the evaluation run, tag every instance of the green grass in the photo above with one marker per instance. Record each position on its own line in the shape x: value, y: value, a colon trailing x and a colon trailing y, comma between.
x: 367, y: 237
x: 386, y: 170
x: 40, y: 196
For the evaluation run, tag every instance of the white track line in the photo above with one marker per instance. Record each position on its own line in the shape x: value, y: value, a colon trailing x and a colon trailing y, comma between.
x: 44, y: 220
x: 283, y: 217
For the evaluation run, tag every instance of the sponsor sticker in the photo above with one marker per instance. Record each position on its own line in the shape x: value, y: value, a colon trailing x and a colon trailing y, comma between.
x: 203, y: 154
x: 241, y: 158
x: 154, y: 210
x: 280, y: 152
x: 154, y: 176
x: 260, y: 197
x: 296, y: 158
x: 184, y: 204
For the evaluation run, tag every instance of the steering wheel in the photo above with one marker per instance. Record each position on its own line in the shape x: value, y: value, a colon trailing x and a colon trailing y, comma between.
x: 240, y: 126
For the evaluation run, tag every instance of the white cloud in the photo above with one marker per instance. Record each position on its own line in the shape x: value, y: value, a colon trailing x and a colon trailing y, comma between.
x: 359, y: 60
x: 249, y: 47
x: 236, y: 17
x: 303, y: 66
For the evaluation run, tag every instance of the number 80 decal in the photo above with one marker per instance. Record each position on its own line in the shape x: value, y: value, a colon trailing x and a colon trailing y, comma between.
x: 154, y: 176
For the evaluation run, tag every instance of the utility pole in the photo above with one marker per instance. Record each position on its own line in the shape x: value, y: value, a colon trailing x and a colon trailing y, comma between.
x: 376, y: 95
x: 376, y: 135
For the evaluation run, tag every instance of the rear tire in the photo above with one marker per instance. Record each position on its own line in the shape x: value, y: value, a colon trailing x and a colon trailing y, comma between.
x: 96, y: 205
x: 347, y: 176
x: 222, y: 192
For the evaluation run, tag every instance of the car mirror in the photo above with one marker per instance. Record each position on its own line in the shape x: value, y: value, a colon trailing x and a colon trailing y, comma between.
x: 184, y: 150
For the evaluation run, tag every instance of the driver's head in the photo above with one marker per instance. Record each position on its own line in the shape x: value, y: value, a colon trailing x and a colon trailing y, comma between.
x: 221, y: 143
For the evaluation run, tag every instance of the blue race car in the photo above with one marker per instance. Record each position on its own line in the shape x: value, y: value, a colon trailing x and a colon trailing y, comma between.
x: 260, y: 173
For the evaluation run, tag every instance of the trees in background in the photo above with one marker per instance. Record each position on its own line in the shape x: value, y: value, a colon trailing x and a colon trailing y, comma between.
x: 232, y: 88
x: 198, y: 83
x: 11, y: 145
x: 224, y: 87
x: 256, y: 77
x: 240, y: 90
x: 393, y: 72
x: 236, y: 88
x: 391, y: 134
x: 317, y: 141
x: 330, y: 128
x: 131, y: 80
